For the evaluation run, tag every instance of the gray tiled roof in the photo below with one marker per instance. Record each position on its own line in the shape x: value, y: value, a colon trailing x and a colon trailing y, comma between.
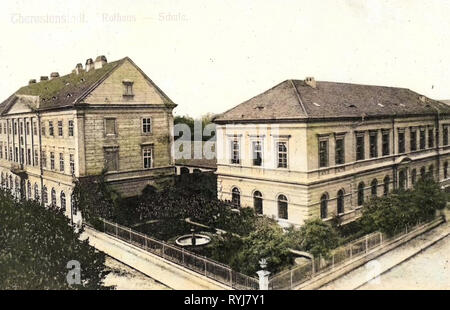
x: 295, y: 100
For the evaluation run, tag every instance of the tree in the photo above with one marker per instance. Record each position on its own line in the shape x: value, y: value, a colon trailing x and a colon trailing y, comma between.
x: 95, y: 198
x: 37, y: 243
x: 315, y: 237
x: 266, y: 241
x: 402, y: 208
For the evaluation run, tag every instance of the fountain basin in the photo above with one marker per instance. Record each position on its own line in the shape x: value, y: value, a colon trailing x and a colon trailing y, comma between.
x: 186, y: 240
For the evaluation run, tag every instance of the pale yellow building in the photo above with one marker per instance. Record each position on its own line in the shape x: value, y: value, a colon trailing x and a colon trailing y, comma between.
x: 306, y: 149
x: 102, y: 115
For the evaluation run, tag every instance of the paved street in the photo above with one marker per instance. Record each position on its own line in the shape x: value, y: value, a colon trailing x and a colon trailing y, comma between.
x: 429, y: 270
x: 405, y: 267
x: 127, y: 278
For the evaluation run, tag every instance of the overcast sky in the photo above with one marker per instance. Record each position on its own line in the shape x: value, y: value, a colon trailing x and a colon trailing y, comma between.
x: 209, y: 56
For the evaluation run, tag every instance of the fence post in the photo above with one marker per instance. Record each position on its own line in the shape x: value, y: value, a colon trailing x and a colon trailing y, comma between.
x: 291, y: 279
x: 313, y: 267
x: 204, y: 262
x: 231, y: 277
x: 129, y: 229
x: 163, y: 251
x: 332, y: 262
x: 182, y: 255
x: 117, y: 233
x: 145, y: 242
x: 381, y: 238
x: 104, y: 226
x: 367, y: 243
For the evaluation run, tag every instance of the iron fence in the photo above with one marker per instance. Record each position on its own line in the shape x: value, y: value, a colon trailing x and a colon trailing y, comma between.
x: 295, y: 276
x: 202, y: 265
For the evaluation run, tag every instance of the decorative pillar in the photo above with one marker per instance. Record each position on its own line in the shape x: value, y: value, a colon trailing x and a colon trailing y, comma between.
x: 263, y: 275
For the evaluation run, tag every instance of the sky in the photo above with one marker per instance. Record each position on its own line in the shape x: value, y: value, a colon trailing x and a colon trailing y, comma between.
x: 209, y: 56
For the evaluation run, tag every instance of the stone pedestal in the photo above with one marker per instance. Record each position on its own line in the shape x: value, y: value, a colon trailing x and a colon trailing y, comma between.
x: 263, y: 279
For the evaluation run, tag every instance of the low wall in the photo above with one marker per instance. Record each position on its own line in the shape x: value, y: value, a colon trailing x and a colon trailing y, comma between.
x: 168, y: 273
x: 328, y: 276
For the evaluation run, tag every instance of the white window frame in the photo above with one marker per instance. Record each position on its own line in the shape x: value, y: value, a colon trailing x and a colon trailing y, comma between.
x: 277, y: 153
x: 144, y: 157
x: 142, y: 125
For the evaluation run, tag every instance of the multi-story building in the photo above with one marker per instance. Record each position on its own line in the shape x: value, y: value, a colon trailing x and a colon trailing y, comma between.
x: 105, y: 115
x: 307, y: 149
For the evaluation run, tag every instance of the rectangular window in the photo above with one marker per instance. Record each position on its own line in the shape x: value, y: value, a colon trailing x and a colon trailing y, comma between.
x: 147, y: 155
x: 401, y: 141
x: 28, y: 128
x: 112, y: 159
x: 360, y: 146
x: 28, y: 157
x: 21, y: 128
x: 235, y: 152
x: 36, y: 158
x: 43, y: 129
x: 147, y: 125
x: 70, y: 128
x: 44, y: 159
x: 127, y: 88
x: 16, y: 154
x: 373, y: 142
x: 339, y: 151
x: 72, y: 164
x: 50, y: 129
x: 1, y: 150
x: 422, y: 138
x: 323, y: 153
x: 15, y: 127
x: 413, y: 139
x: 60, y: 128
x: 257, y: 153
x: 34, y: 128
x: 1, y: 128
x: 52, y: 160
x: 61, y: 162
x: 445, y: 135
x: 282, y: 154
x: 110, y: 126
x: 430, y: 137
x: 385, y: 143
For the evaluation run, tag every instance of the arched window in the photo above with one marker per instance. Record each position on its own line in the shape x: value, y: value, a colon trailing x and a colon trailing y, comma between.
x: 324, y: 206
x: 63, y: 201
x: 402, y: 179
x: 29, y: 190
x: 413, y: 176
x: 374, y: 187
x: 53, y: 197
x: 236, y: 197
x: 282, y: 207
x: 386, y: 182
x: 36, y: 192
x: 340, y: 201
x: 44, y: 195
x: 422, y: 172
x: 361, y: 194
x: 258, y: 202
x: 446, y: 170
x: 184, y: 170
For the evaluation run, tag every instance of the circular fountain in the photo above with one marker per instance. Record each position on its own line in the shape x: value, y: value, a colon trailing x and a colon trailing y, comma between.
x: 193, y: 239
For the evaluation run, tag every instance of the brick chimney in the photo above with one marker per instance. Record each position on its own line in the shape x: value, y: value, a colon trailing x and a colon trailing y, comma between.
x: 89, y: 64
x: 44, y: 78
x: 78, y: 68
x: 310, y: 81
x: 32, y: 81
x: 54, y: 75
x: 100, y: 61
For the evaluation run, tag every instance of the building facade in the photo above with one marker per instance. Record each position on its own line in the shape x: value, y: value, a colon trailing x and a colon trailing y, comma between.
x: 102, y: 116
x: 307, y: 149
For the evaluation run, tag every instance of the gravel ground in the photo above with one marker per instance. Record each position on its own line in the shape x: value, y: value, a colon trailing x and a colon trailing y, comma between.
x: 124, y: 277
x: 428, y: 270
